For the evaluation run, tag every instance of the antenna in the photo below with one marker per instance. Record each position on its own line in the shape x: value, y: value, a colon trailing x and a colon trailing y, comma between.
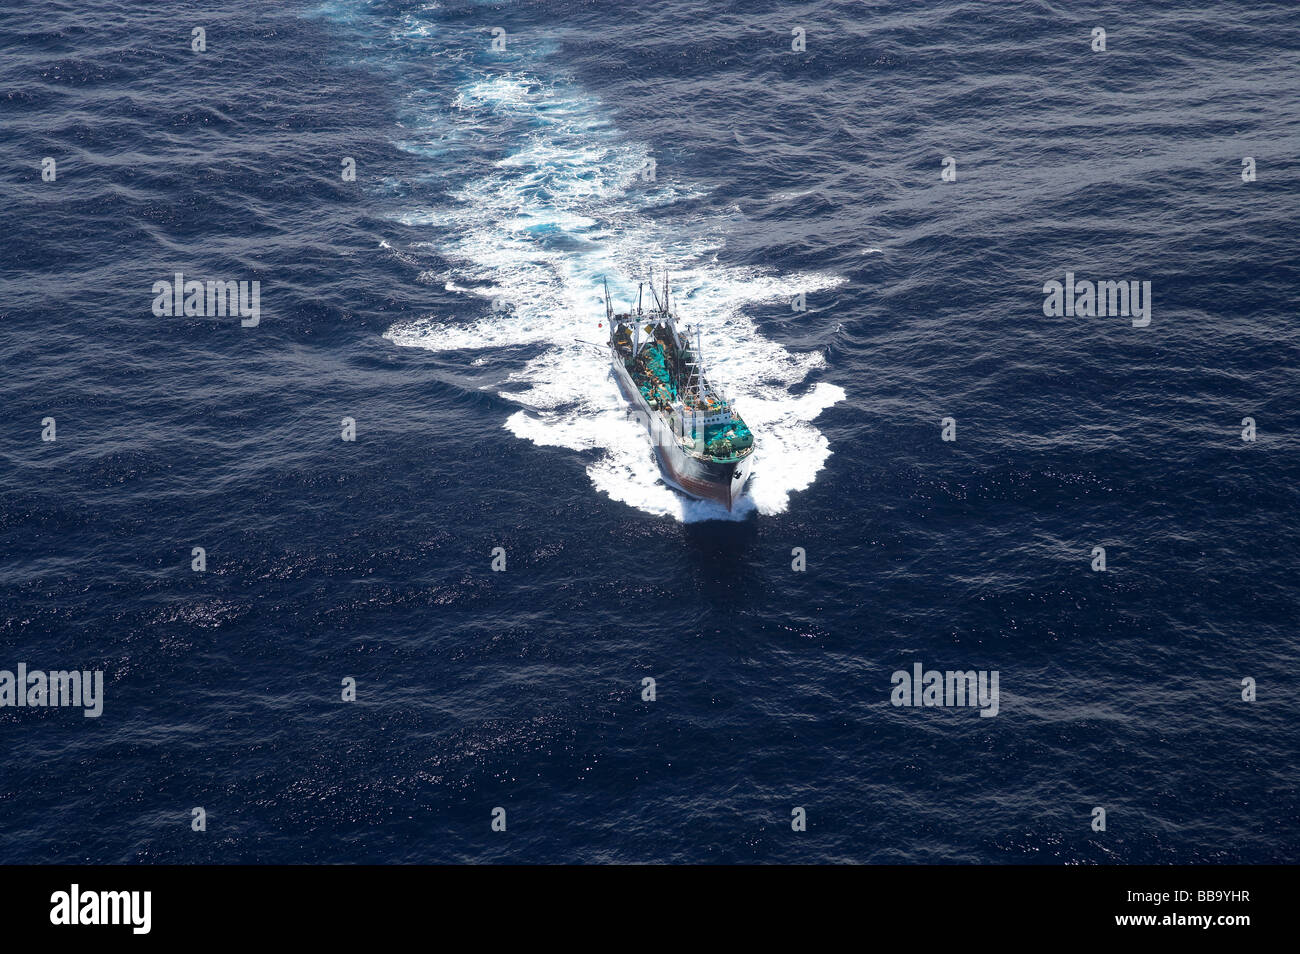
x: 639, y: 286
x: 609, y: 309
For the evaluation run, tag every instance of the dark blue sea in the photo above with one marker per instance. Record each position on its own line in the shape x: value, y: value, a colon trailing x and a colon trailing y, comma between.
x: 851, y: 294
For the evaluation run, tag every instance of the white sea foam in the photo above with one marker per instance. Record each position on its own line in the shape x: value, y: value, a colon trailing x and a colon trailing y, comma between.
x: 563, y: 208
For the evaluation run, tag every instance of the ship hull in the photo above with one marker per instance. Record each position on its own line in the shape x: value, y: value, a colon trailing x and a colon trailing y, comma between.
x: 721, y: 482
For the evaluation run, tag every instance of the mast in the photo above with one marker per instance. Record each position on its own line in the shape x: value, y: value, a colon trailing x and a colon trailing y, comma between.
x: 692, y: 369
x: 654, y: 294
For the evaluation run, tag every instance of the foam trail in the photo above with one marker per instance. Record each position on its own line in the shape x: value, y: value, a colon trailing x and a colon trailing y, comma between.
x: 529, y: 241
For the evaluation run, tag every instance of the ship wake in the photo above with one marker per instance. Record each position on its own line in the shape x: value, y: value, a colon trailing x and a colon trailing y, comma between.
x: 528, y: 239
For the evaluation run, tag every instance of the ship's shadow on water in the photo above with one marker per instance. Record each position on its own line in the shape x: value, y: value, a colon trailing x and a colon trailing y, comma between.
x: 717, y: 554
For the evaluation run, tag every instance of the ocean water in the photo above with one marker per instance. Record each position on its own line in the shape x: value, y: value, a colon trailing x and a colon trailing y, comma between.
x: 441, y: 299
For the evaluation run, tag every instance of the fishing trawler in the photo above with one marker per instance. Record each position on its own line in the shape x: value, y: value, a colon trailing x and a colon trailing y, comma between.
x: 701, y: 444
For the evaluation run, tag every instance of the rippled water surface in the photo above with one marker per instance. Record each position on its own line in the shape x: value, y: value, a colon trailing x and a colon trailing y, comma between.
x: 441, y: 300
